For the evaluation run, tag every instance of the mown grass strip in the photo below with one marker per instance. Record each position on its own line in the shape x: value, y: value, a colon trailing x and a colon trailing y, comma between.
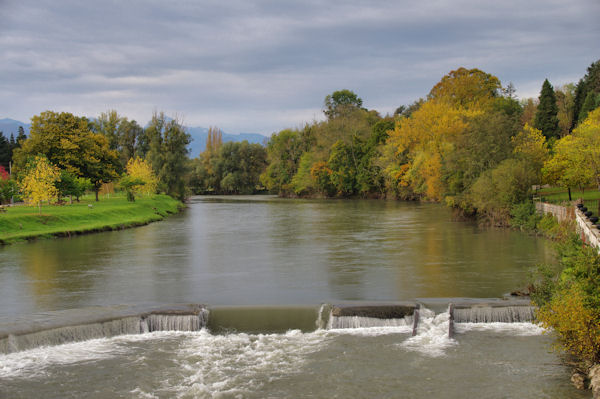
x: 25, y: 222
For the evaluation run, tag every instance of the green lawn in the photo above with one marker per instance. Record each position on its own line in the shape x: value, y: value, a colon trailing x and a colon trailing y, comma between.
x: 558, y: 195
x: 24, y: 222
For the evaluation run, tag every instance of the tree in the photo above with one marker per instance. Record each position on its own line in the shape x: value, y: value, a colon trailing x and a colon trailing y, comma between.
x: 239, y: 166
x: 38, y: 183
x: 67, y: 142
x: 466, y: 87
x: 140, y: 169
x: 567, y: 166
x: 284, y: 151
x: 131, y: 185
x: 530, y: 146
x: 340, y: 101
x: 565, y: 102
x: 590, y: 83
x: 546, y: 118
x: 587, y: 143
x: 592, y: 101
x: 5, y: 151
x: 168, y: 153
x: 109, y: 124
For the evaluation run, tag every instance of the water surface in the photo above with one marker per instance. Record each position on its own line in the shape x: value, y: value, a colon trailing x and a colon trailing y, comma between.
x: 264, y: 250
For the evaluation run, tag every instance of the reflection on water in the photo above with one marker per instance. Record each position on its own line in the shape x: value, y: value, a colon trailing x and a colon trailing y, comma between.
x: 264, y: 250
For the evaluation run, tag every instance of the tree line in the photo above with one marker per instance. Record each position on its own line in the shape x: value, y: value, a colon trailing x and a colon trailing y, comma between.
x: 469, y: 143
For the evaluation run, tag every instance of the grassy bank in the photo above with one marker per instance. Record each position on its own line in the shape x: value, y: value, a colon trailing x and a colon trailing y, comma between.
x: 25, y: 223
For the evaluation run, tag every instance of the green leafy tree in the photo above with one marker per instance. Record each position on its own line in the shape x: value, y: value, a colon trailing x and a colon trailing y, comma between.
x: 131, y: 185
x: 339, y: 102
x: 546, y: 118
x: 168, y: 153
x: 284, y: 151
x: 239, y: 166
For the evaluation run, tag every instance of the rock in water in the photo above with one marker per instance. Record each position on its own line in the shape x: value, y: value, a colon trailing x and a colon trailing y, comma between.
x: 594, y: 375
x: 578, y: 380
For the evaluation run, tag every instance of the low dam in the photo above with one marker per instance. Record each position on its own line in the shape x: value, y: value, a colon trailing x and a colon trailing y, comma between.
x: 55, y: 328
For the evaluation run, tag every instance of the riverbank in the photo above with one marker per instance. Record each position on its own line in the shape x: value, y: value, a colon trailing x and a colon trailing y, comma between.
x: 20, y: 223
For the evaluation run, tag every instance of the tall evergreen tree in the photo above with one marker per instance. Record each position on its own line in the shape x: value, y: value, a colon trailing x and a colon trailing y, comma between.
x: 546, y: 118
x: 590, y: 104
x: 5, y: 151
x: 589, y: 83
x: 21, y: 136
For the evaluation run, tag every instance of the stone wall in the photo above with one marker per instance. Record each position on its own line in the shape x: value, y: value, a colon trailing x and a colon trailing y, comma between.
x: 589, y: 233
x: 561, y: 213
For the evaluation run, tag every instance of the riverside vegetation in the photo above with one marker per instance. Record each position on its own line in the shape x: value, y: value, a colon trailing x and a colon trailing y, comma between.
x: 469, y: 144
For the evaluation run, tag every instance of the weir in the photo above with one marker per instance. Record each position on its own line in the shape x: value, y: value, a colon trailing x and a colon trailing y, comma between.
x: 54, y: 328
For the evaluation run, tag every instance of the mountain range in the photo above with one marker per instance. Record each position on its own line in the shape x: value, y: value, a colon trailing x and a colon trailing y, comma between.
x: 198, y: 144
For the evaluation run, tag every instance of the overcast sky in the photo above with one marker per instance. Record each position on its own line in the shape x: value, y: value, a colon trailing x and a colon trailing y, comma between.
x: 262, y: 66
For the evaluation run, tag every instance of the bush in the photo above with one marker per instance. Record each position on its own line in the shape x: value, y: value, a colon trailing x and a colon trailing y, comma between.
x: 524, y: 216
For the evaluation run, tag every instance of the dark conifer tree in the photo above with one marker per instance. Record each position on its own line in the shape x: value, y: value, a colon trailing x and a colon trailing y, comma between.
x: 590, y: 104
x: 5, y: 151
x: 546, y: 118
x: 589, y: 83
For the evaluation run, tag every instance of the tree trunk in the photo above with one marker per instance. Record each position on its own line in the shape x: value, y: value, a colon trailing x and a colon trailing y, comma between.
x: 97, y: 195
x: 569, y: 188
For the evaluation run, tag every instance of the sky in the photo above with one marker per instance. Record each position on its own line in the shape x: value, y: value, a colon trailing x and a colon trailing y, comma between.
x: 263, y: 66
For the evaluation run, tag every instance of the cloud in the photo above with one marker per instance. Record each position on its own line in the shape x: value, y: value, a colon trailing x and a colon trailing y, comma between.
x: 267, y: 65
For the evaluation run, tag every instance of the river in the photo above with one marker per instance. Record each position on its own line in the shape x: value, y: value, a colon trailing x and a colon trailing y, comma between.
x: 234, y: 251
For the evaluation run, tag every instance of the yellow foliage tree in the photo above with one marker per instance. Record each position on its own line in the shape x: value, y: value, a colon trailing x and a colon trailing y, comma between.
x: 138, y: 168
x: 38, y: 183
x: 530, y: 145
x: 588, y: 143
x: 423, y: 140
x: 575, y: 323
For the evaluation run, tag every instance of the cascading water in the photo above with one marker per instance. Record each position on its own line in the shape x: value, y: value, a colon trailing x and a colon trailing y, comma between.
x: 494, y: 314
x: 23, y: 340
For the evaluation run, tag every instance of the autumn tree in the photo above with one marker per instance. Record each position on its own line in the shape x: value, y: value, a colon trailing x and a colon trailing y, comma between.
x: 38, y: 183
x: 566, y: 167
x: 68, y: 143
x: 466, y: 87
x: 546, y: 118
x: 565, y: 102
x: 140, y: 169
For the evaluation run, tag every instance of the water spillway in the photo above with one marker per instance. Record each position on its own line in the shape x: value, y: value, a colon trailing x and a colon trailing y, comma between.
x: 55, y: 328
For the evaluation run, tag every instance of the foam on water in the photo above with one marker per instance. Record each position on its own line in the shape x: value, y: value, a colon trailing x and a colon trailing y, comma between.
x: 432, y: 334
x: 35, y: 362
x: 230, y: 365
x: 519, y: 329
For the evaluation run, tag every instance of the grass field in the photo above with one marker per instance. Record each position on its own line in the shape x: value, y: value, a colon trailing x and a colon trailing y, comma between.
x: 557, y: 194
x: 23, y: 222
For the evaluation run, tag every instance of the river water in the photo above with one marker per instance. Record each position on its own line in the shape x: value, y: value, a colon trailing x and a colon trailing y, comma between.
x: 268, y: 251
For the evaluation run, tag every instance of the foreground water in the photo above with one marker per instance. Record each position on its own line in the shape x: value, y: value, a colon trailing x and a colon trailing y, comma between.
x: 240, y: 251
x: 483, y: 361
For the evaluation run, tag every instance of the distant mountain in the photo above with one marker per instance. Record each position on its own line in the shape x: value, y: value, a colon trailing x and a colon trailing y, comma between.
x: 8, y: 126
x: 199, y: 135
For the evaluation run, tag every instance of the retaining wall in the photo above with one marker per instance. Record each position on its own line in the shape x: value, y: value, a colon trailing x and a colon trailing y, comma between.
x: 561, y: 213
x: 589, y: 233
